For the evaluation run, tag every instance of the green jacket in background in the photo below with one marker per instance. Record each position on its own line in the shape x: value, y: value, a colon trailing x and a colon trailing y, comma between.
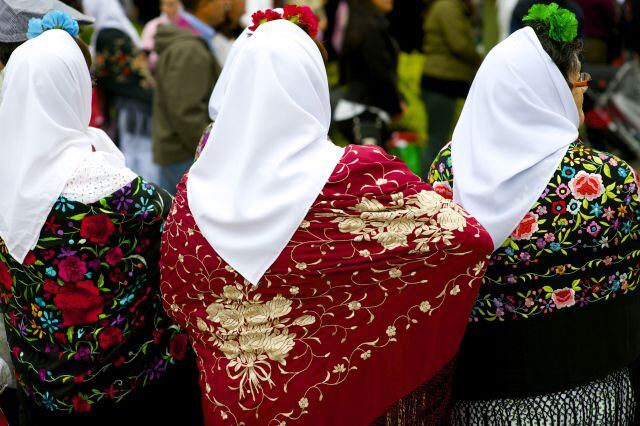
x: 449, y: 44
x: 186, y: 73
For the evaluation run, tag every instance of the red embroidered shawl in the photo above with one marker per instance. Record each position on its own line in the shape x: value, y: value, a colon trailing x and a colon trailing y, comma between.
x: 367, y: 302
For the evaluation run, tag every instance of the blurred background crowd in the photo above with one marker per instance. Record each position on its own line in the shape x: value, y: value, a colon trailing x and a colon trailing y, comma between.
x: 399, y: 71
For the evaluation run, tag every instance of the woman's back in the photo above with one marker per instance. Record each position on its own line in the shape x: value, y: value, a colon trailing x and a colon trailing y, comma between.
x: 562, y: 288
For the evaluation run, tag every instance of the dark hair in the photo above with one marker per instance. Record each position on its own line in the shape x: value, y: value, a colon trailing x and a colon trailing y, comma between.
x: 85, y: 51
x: 564, y: 55
x: 191, y: 5
x: 6, y: 49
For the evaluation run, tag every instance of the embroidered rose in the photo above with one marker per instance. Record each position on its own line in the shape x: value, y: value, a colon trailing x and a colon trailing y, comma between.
x: 526, y: 228
x: 564, y: 298
x: 79, y: 303
x: 402, y: 226
x: 443, y: 189
x: 451, y: 220
x: 587, y: 186
x: 5, y: 276
x: 80, y: 405
x: 30, y: 259
x: 114, y: 256
x: 429, y: 202
x: 110, y: 337
x: 178, y: 346
x: 351, y: 225
x: 96, y: 229
x: 391, y: 240
x: 72, y: 269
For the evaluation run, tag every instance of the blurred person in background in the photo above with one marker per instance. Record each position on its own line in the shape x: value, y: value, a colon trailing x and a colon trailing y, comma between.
x: 371, y: 98
x: 186, y: 73
x: 451, y: 62
x: 125, y: 84
x: 170, y: 15
x: 631, y: 26
x: 407, y: 18
x: 228, y: 31
x: 600, y: 28
x: 505, y: 12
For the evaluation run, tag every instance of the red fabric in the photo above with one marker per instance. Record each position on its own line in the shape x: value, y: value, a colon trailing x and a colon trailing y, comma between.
x: 368, y: 301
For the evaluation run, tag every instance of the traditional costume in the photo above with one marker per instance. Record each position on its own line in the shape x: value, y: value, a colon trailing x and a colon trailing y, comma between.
x: 79, y: 249
x: 556, y: 327
x: 319, y: 285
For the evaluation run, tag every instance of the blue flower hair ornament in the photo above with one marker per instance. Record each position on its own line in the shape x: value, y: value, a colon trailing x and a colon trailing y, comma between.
x: 54, y: 20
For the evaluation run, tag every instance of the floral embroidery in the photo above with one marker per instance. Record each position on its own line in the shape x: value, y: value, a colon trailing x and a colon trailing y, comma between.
x: 590, y: 206
x: 82, y: 297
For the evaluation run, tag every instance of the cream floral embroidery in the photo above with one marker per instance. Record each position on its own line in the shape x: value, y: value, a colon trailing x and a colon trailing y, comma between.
x: 252, y: 334
x: 428, y: 216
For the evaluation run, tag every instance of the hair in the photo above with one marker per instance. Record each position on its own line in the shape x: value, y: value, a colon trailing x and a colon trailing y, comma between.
x: 322, y: 49
x: 191, y: 5
x: 85, y: 51
x: 564, y: 55
x: 6, y: 49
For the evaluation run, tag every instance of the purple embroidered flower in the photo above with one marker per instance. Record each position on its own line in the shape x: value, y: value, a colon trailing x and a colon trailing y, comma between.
x: 512, y: 279
x: 525, y: 256
x: 549, y: 237
x: 545, y: 193
x: 156, y: 370
x: 84, y: 353
x: 66, y: 252
x: 121, y: 199
x: 541, y: 210
x: 540, y: 243
x: 616, y: 224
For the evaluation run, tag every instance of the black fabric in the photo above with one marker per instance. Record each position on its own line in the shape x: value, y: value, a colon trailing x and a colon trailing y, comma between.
x: 175, y: 400
x: 616, y: 393
x: 451, y: 88
x: 369, y: 61
x: 559, y: 351
x: 407, y: 19
x: 366, y: 128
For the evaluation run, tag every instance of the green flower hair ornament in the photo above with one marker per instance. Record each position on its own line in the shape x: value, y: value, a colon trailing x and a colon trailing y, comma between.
x: 563, y: 24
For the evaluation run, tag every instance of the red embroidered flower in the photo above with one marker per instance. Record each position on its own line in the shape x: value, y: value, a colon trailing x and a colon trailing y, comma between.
x: 178, y: 346
x: 587, y: 186
x: 50, y: 286
x: 559, y: 207
x: 79, y: 303
x: 303, y: 17
x: 114, y: 256
x: 262, y: 16
x: 96, y: 229
x: 5, y: 276
x: 80, y: 405
x: 444, y: 189
x: 110, y: 337
x: 30, y: 259
x: 526, y: 228
x: 564, y: 298
x: 72, y: 269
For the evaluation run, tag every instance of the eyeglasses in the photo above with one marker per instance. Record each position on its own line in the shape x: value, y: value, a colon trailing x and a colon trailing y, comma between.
x: 583, y: 81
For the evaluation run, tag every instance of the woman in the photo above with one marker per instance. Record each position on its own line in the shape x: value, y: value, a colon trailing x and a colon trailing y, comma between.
x: 369, y: 72
x: 451, y: 62
x: 80, y: 243
x: 125, y: 83
x: 326, y: 272
x: 228, y: 31
x: 556, y: 328
x: 170, y: 15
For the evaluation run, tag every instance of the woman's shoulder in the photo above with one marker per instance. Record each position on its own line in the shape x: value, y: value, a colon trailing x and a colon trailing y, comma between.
x: 581, y: 161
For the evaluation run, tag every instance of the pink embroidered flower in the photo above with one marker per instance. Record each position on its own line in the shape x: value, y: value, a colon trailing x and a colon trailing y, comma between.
x: 562, y: 191
x: 586, y: 186
x: 564, y: 298
x: 593, y: 228
x: 443, y: 189
x: 72, y: 269
x: 527, y: 227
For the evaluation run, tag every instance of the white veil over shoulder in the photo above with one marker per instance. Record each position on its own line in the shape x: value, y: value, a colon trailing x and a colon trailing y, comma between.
x: 44, y: 117
x: 515, y: 128
x: 269, y: 155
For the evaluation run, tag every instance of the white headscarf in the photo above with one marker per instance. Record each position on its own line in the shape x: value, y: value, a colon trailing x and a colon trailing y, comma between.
x: 515, y: 128
x: 44, y: 117
x: 269, y: 155
x: 110, y: 14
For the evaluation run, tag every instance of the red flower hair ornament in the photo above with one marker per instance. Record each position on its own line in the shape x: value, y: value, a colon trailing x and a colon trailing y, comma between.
x: 302, y: 16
